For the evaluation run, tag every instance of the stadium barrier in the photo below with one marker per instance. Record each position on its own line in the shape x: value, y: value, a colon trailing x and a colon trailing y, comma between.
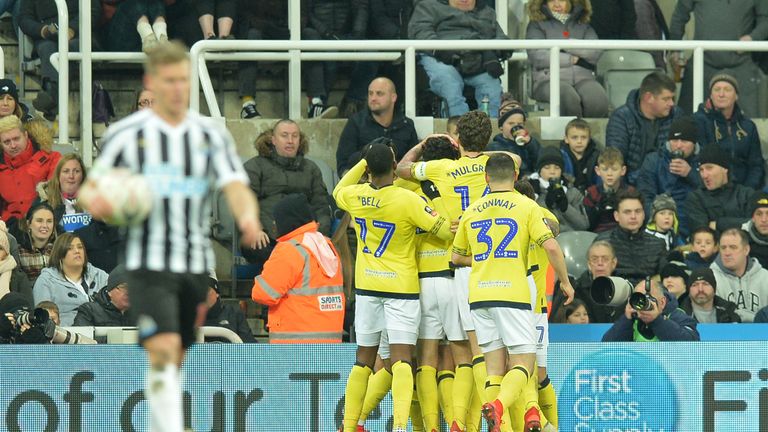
x: 231, y: 387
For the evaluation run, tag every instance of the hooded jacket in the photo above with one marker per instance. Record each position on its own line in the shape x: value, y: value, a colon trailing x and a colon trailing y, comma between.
x: 543, y: 25
x: 634, y: 135
x: 639, y: 254
x: 20, y: 175
x: 758, y: 243
x: 582, y: 171
x: 528, y: 153
x: 739, y: 138
x: 52, y: 285
x: 436, y: 19
x: 725, y: 311
x: 749, y: 292
x: 361, y: 129
x: 101, y: 312
x: 303, y: 286
x: 574, y: 218
x: 673, y: 325
x: 728, y: 206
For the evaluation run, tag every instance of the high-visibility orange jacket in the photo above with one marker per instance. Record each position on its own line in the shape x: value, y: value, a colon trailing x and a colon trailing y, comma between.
x: 303, y: 286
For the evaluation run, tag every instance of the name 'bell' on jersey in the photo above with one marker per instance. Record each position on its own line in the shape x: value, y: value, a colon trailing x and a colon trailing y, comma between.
x: 496, y: 232
x: 460, y: 182
x: 541, y: 270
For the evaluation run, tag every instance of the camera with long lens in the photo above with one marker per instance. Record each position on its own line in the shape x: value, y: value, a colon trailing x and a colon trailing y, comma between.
x: 610, y: 290
x: 40, y: 318
x: 642, y: 301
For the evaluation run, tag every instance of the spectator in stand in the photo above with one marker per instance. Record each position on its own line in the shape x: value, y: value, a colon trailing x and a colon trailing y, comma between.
x: 745, y: 20
x: 69, y: 280
x: 674, y: 276
x: 614, y: 19
x: 281, y: 170
x: 302, y: 281
x: 704, y: 248
x: 721, y: 121
x: 640, y: 254
x: 26, y: 160
x: 719, y: 204
x: 663, y: 323
x: 262, y: 20
x: 10, y: 104
x: 651, y: 25
x: 37, y: 234
x: 145, y: 98
x: 641, y: 126
x: 104, y: 244
x: 673, y: 169
x: 224, y: 12
x: 379, y: 120
x: 580, y: 154
x: 52, y: 309
x: 225, y: 315
x: 740, y: 278
x: 12, y: 278
x: 109, y: 305
x: 600, y: 198
x: 449, y: 71
x: 702, y: 302
x: 60, y: 192
x: 38, y: 19
x: 572, y: 313
x: 336, y: 20
x: 757, y: 228
x: 664, y: 223
x: 134, y: 25
x: 580, y: 93
x: 515, y: 138
x: 556, y: 193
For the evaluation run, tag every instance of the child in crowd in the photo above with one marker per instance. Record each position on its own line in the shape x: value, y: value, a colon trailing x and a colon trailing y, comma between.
x: 572, y: 313
x: 556, y: 193
x: 663, y: 222
x: 704, y: 248
x: 580, y: 153
x: 452, y: 127
x: 515, y: 138
x: 600, y: 199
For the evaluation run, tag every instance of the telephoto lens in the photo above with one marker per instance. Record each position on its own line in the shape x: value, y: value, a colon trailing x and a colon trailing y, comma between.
x: 641, y: 301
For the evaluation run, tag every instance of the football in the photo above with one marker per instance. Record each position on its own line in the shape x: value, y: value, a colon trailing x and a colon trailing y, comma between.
x: 128, y: 194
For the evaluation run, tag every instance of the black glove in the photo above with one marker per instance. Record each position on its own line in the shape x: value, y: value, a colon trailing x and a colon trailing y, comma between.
x: 429, y: 189
x: 447, y: 57
x: 493, y: 67
x: 607, y: 203
x: 556, y: 199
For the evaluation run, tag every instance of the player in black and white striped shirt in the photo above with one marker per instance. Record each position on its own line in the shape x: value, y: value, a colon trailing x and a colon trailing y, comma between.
x: 184, y: 157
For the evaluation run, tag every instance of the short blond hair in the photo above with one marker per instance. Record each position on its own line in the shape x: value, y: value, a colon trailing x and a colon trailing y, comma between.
x: 9, y: 123
x: 165, y: 54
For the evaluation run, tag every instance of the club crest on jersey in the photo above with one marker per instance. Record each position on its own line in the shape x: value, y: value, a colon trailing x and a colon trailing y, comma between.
x: 429, y: 210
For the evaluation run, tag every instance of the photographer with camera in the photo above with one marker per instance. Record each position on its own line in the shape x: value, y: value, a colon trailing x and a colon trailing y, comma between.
x: 651, y: 315
x: 20, y: 324
x: 556, y: 193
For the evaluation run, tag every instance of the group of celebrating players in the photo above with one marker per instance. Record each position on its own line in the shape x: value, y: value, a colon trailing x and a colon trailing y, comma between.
x: 453, y: 252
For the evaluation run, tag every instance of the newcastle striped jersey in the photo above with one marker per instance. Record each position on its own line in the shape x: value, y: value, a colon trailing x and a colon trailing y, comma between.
x: 182, y: 164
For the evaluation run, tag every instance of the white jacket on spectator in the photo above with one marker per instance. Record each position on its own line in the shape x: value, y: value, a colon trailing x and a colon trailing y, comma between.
x: 749, y: 292
x: 53, y: 286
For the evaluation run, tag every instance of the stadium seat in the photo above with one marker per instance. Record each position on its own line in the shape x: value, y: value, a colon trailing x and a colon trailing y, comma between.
x: 621, y: 71
x: 574, y: 245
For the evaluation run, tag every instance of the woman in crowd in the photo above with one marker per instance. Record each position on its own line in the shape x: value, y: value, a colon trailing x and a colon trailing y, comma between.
x: 36, y: 236
x: 580, y: 93
x: 60, y: 192
x: 12, y: 279
x: 9, y: 102
x: 69, y: 280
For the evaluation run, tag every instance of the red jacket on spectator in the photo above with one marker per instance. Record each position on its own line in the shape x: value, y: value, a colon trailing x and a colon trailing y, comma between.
x: 20, y: 175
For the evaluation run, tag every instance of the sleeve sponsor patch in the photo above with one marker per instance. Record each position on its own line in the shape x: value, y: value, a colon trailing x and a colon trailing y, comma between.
x: 331, y: 303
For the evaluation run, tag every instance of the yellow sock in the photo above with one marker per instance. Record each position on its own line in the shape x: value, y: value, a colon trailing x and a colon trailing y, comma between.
x: 516, y: 413
x: 354, y: 395
x: 474, y: 416
x: 548, y: 401
x: 426, y: 386
x: 480, y: 373
x: 402, y: 393
x: 445, y: 388
x: 246, y: 99
x: 492, y: 387
x: 529, y: 397
x: 416, y: 413
x: 378, y: 387
x: 462, y: 392
x: 512, y: 385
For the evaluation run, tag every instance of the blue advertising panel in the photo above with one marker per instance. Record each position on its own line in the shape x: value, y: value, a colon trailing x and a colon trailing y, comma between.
x: 651, y: 387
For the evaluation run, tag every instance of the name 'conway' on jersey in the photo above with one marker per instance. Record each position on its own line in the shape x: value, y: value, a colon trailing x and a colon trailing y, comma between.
x: 182, y: 164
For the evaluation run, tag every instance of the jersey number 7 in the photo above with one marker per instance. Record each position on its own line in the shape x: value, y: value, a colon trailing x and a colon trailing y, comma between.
x: 389, y: 230
x: 501, y: 249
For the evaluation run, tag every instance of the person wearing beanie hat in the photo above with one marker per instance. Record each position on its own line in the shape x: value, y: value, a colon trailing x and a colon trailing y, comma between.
x: 675, y: 275
x: 9, y: 101
x: 663, y: 222
x: 515, y: 137
x: 721, y: 122
x: 703, y: 303
x: 757, y: 228
x: 672, y: 170
x: 718, y: 203
x: 555, y: 192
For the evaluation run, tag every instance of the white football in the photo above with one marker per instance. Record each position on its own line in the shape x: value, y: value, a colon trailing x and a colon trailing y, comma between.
x: 129, y: 196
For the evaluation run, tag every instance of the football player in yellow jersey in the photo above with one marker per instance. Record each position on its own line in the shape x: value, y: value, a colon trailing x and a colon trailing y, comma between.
x: 493, y: 237
x: 460, y: 182
x: 386, y: 278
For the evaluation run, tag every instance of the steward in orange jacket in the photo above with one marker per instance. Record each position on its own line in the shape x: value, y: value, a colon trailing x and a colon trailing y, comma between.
x: 302, y: 280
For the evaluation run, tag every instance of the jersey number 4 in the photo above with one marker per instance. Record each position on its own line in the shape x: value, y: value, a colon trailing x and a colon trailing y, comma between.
x: 389, y: 230
x: 501, y: 249
x: 463, y: 192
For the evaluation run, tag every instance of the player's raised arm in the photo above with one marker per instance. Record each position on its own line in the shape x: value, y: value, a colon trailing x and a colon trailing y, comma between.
x: 403, y: 169
x: 461, y: 256
x: 518, y: 160
x: 352, y: 177
x: 557, y: 260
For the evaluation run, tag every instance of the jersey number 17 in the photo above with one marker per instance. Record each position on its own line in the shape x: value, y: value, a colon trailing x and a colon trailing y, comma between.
x: 389, y: 230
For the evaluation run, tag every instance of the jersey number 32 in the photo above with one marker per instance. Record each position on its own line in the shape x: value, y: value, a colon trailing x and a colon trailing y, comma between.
x: 501, y: 251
